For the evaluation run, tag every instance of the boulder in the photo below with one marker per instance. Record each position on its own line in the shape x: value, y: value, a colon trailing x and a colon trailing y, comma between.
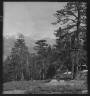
x: 62, y: 81
x: 53, y: 82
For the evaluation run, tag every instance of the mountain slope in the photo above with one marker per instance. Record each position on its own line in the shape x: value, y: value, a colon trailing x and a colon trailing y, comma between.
x: 30, y: 42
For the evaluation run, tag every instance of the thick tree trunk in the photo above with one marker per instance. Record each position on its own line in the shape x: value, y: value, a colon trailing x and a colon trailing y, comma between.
x: 77, y: 36
x: 74, y: 70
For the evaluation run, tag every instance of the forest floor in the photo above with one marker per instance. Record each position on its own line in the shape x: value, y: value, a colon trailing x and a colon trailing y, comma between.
x: 46, y: 87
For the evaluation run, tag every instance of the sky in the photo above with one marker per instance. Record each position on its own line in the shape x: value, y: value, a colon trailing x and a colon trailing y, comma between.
x: 30, y: 18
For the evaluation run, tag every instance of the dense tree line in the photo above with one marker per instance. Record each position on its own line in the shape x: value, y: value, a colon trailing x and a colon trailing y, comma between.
x: 69, y: 52
x: 22, y: 65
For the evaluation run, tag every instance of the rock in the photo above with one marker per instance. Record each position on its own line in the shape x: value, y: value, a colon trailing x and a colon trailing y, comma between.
x: 53, y: 82
x: 81, y: 75
x: 85, y: 71
x: 68, y: 73
x: 85, y: 91
x: 61, y: 81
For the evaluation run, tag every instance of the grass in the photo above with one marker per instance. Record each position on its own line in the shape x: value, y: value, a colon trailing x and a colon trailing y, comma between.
x: 39, y: 87
x: 66, y: 89
x: 22, y: 85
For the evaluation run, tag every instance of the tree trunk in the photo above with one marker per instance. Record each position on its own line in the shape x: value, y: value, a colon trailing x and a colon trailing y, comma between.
x: 22, y: 78
x: 77, y: 69
x: 16, y: 77
x: 43, y: 69
x: 67, y: 72
x: 80, y: 67
x: 43, y: 75
x: 77, y: 35
x: 73, y: 71
x: 40, y: 74
x: 27, y: 61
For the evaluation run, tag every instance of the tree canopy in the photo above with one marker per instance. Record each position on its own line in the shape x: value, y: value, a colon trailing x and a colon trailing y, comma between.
x: 71, y: 34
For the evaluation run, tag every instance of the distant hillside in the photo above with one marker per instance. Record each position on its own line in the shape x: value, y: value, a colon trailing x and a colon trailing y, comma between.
x: 30, y: 42
x: 7, y: 45
x: 50, y: 41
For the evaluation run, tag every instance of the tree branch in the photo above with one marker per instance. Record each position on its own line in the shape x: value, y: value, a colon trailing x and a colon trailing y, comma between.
x: 1, y: 17
x: 70, y: 13
x: 84, y: 63
x: 73, y: 20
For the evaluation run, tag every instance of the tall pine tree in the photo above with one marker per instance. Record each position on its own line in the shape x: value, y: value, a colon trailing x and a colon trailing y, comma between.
x: 42, y: 52
x: 19, y: 58
x: 72, y: 33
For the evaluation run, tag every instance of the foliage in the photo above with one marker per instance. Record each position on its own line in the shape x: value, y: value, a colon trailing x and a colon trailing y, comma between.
x: 72, y: 33
x: 42, y: 54
x: 18, y: 59
x: 69, y: 52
